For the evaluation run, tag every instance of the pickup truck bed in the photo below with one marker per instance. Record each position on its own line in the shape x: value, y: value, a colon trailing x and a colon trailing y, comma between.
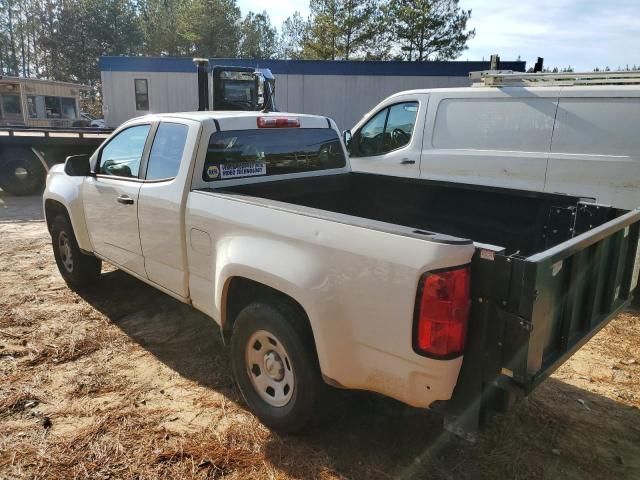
x: 522, y: 222
x: 549, y: 270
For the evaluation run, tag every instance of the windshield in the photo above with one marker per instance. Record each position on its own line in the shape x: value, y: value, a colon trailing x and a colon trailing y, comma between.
x: 235, y: 91
x: 277, y: 151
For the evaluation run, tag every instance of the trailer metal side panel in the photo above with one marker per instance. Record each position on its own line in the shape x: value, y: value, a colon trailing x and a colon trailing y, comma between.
x: 529, y: 315
x: 579, y: 286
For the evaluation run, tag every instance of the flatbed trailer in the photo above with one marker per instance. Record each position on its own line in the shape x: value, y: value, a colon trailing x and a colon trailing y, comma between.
x: 27, y: 153
x: 41, y: 123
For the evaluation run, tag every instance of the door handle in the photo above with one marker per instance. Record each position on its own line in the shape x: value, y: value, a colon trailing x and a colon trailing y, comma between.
x: 125, y: 200
x: 406, y: 161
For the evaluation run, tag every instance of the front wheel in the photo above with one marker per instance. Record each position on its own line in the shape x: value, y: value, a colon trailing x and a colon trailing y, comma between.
x: 78, y: 269
x: 275, y: 365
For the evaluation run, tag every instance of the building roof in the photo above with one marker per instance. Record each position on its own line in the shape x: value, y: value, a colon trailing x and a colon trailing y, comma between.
x: 42, y: 81
x: 307, y: 67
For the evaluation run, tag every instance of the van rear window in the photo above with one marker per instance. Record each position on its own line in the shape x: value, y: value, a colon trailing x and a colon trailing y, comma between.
x: 275, y: 151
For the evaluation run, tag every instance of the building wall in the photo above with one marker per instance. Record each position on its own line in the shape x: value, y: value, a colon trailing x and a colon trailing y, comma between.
x: 345, y: 99
x: 341, y: 90
x: 168, y: 92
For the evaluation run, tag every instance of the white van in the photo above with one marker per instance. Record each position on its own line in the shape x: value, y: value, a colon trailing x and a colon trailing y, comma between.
x: 577, y: 134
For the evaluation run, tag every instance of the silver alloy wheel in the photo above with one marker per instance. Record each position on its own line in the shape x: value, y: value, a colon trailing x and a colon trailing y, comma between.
x: 64, y: 248
x: 269, y: 368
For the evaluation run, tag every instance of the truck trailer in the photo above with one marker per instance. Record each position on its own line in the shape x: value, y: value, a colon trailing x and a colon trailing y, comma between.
x: 40, y: 125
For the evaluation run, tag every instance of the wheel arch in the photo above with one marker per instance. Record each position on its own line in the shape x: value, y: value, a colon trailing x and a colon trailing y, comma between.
x: 246, y: 267
x: 53, y: 208
x: 240, y: 291
x: 63, y: 194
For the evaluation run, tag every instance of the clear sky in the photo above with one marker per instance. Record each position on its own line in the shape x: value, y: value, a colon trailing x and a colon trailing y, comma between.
x: 580, y: 33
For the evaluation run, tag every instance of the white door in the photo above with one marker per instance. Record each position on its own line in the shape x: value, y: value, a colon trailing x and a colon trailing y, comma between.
x: 161, y: 205
x: 596, y: 148
x: 389, y: 143
x: 111, y: 199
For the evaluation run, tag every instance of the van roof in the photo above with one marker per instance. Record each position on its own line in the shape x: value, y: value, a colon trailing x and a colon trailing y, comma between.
x: 614, y: 90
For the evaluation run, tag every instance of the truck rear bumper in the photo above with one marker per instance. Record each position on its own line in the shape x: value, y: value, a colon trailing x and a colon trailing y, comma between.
x: 418, y: 383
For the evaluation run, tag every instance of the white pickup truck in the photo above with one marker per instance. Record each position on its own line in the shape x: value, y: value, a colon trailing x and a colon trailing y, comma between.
x: 433, y: 293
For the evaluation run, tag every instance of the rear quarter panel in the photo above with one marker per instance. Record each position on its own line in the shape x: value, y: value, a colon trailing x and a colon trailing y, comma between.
x: 358, y: 287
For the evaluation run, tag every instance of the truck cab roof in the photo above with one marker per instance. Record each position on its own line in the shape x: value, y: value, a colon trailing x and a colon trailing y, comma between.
x: 243, y: 120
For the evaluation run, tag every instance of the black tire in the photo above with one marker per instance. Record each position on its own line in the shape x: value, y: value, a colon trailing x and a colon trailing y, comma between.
x: 288, y: 327
x: 21, y: 173
x: 78, y: 269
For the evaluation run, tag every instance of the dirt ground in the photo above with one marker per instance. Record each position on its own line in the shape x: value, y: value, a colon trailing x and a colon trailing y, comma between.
x: 125, y: 382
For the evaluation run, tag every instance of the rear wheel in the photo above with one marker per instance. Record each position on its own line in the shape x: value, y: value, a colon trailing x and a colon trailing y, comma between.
x: 21, y: 173
x: 78, y: 269
x: 275, y: 365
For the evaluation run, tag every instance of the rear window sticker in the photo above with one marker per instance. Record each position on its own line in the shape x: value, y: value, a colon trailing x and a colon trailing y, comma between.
x: 213, y: 172
x: 243, y: 170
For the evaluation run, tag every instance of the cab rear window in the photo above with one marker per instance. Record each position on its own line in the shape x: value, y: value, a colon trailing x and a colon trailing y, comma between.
x: 276, y: 151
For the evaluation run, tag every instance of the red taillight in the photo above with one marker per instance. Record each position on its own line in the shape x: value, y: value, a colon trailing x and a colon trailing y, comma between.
x: 278, y: 122
x: 442, y: 313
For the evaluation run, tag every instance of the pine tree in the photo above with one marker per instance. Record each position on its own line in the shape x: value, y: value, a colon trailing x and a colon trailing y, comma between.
x: 344, y: 29
x: 359, y: 24
x: 429, y: 29
x: 165, y: 27
x: 258, y: 37
x: 215, y: 28
x: 292, y: 37
x: 322, y: 40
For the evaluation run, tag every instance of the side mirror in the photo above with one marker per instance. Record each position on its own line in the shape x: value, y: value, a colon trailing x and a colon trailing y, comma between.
x: 77, y: 166
x: 347, y: 137
x: 265, y: 90
x: 260, y: 92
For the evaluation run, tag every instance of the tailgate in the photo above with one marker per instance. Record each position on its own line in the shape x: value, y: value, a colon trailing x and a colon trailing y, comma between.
x: 529, y: 315
x: 565, y: 295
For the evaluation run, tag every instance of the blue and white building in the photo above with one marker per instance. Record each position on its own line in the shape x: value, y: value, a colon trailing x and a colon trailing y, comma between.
x: 342, y: 90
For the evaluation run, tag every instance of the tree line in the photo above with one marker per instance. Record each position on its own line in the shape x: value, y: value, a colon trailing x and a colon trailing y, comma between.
x: 63, y: 39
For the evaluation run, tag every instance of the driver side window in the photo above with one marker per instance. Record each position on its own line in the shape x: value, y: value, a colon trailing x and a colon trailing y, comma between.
x: 389, y: 129
x: 122, y: 155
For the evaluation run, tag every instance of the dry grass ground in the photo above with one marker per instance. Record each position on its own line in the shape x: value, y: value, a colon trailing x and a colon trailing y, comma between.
x: 125, y: 382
